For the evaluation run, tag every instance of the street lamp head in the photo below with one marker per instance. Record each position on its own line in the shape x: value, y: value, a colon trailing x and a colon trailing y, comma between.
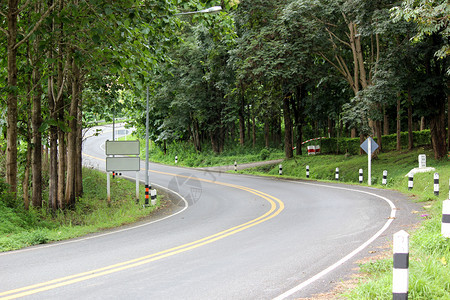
x: 203, y: 11
x: 211, y: 9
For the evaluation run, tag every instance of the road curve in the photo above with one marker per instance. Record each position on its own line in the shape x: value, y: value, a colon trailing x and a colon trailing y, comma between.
x: 233, y: 237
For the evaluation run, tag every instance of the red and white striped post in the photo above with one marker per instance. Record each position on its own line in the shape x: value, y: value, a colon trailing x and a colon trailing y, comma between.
x: 445, y: 227
x: 400, y: 273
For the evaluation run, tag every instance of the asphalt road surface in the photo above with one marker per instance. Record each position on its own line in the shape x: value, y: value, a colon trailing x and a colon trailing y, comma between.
x: 227, y: 236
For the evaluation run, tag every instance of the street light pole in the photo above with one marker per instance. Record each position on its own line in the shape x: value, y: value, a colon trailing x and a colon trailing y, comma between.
x: 147, y: 184
x: 147, y: 188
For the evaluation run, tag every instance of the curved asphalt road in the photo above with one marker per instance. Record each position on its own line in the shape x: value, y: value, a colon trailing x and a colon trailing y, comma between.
x: 232, y: 237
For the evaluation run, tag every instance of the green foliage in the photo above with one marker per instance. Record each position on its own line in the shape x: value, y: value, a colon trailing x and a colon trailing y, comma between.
x: 389, y: 143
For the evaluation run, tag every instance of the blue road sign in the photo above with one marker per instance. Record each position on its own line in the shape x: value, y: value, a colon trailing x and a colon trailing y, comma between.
x: 373, y: 145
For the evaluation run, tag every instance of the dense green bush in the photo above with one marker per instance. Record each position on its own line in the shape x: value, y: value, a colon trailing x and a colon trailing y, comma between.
x: 389, y: 142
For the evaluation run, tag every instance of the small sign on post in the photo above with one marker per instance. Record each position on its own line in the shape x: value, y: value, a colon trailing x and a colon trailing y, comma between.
x: 422, y: 161
x: 369, y: 146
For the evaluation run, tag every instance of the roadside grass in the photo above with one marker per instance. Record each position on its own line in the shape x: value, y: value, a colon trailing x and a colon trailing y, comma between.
x: 429, y: 251
x: 20, y: 228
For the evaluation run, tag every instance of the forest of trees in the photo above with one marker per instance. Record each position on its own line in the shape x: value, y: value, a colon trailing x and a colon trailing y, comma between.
x: 289, y: 69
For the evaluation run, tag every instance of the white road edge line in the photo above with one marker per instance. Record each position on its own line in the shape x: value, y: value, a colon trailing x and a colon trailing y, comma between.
x: 76, y: 240
x: 348, y: 256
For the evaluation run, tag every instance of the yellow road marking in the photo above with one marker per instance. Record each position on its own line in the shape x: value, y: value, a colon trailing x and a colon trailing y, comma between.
x: 63, y: 281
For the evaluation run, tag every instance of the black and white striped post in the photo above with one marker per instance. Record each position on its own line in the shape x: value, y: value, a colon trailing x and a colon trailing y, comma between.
x: 280, y: 169
x: 337, y: 174
x: 307, y: 171
x: 436, y: 184
x: 384, y: 181
x: 176, y: 159
x: 146, y: 194
x: 445, y: 227
x: 153, y: 197
x: 235, y: 166
x: 361, y: 178
x: 410, y: 181
x: 400, y: 272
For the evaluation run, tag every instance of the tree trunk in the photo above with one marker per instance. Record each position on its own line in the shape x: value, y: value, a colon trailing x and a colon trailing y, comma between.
x: 437, y: 130
x: 36, y: 121
x: 385, y: 121
x: 70, y: 193
x: 399, y: 142
x: 242, y: 121
x: 266, y: 133
x: 53, y: 159
x: 11, y: 128
x: 287, y: 127
x: 410, y: 121
x: 448, y: 113
x: 422, y: 123
x: 79, y: 169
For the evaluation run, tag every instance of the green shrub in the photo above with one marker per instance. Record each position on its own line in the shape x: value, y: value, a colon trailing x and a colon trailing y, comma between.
x: 389, y: 142
x: 264, y: 154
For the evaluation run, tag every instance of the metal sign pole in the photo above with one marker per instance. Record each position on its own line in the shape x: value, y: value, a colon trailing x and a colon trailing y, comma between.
x: 369, y: 162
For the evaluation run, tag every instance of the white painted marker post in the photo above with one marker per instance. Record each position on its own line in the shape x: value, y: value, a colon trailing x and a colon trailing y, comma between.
x: 280, y: 170
x: 410, y: 181
x: 307, y: 171
x: 384, y: 182
x: 176, y: 159
x: 436, y: 184
x: 337, y: 174
x: 235, y: 166
x: 445, y: 228
x: 361, y: 176
x: 153, y: 197
x: 137, y: 187
x: 400, y: 280
x: 108, y: 187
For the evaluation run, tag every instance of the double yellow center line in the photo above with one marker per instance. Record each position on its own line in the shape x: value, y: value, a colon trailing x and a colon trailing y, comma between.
x: 276, y: 206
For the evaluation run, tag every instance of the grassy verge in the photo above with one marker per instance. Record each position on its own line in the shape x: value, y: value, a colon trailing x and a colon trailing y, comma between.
x: 429, y: 251
x: 20, y: 228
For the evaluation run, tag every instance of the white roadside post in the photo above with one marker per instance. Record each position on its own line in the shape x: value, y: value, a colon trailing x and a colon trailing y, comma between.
x: 384, y: 181
x: 137, y: 186
x: 361, y: 176
x: 400, y: 272
x: 337, y: 174
x: 108, y: 187
x: 235, y: 166
x: 410, y: 181
x: 280, y: 170
x: 307, y: 171
x: 153, y: 197
x: 436, y: 184
x: 445, y: 227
